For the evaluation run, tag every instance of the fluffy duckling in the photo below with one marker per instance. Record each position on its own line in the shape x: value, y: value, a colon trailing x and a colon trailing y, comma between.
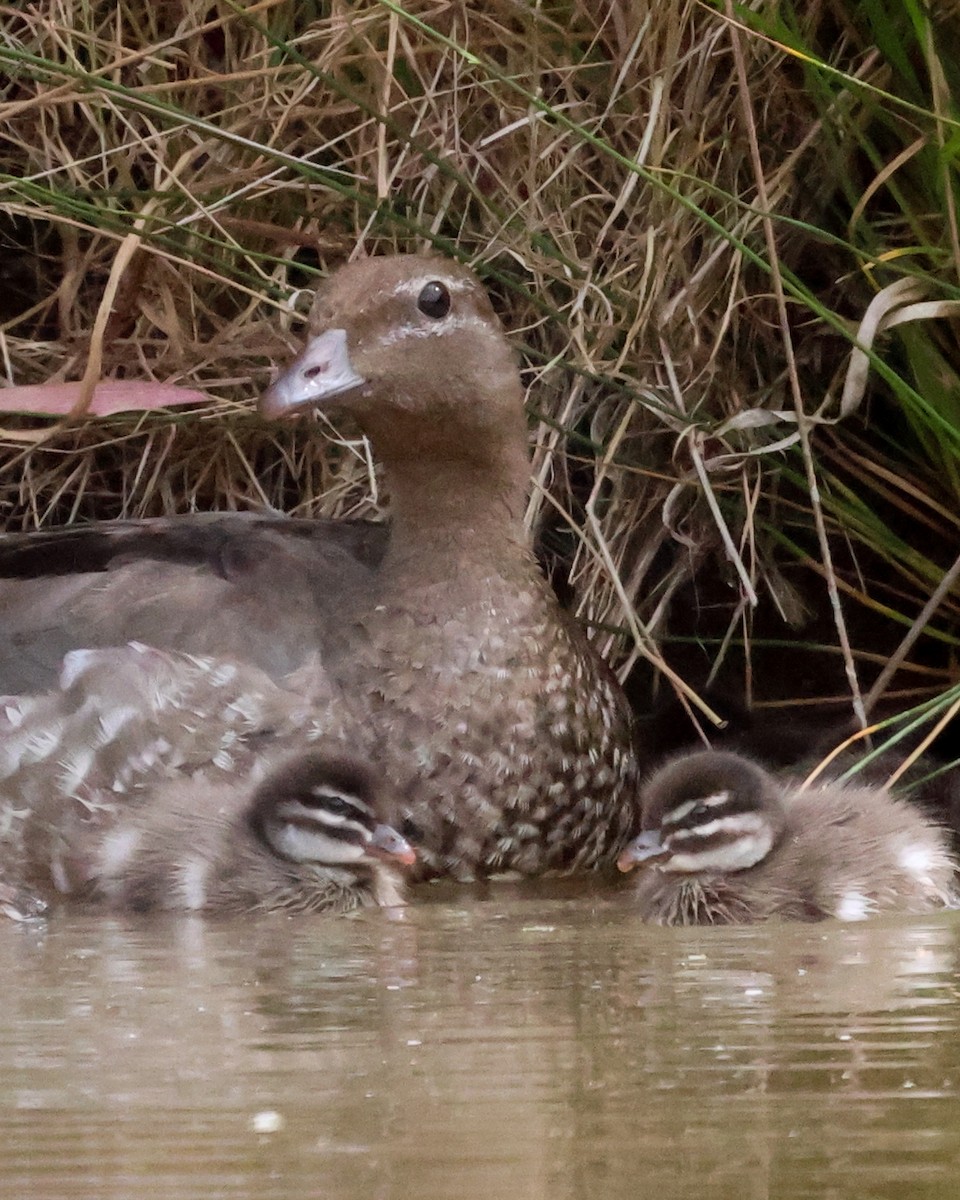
x: 133, y: 782
x: 723, y: 842
x: 309, y: 837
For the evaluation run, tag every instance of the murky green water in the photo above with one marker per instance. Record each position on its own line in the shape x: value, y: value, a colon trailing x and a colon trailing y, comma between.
x: 500, y: 1047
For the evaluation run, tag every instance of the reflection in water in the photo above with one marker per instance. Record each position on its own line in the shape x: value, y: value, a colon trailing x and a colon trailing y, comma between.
x: 512, y: 1045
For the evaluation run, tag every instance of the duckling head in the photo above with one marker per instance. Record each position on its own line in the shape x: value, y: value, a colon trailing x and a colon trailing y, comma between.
x: 707, y: 812
x: 327, y: 811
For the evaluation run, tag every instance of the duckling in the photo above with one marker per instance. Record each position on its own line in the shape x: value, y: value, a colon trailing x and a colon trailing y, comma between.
x: 137, y: 744
x: 309, y: 837
x: 726, y: 843
x: 508, y: 737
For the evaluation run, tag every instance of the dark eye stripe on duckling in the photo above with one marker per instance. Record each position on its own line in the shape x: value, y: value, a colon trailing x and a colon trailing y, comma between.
x: 328, y: 801
x: 345, y: 821
x: 300, y: 834
x: 719, y: 831
x: 310, y: 816
x: 700, y: 810
x: 729, y: 843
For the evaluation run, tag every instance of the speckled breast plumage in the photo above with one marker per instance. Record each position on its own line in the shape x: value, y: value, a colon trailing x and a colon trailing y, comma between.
x: 511, y: 749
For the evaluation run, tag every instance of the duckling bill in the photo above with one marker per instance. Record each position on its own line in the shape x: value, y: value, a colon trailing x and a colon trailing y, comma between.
x: 724, y: 842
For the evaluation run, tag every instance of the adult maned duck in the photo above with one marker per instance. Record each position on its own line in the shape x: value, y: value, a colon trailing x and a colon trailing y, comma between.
x: 457, y: 673
x: 724, y: 842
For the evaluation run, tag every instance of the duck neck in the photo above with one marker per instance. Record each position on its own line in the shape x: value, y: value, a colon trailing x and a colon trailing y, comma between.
x: 453, y: 519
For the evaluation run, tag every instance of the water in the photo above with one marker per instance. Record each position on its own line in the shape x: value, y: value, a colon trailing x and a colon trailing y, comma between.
x: 482, y: 1047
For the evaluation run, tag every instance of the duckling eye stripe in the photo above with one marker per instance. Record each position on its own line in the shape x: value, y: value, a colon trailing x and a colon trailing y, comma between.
x: 307, y: 818
x: 309, y: 843
x: 716, y: 799
x: 322, y: 793
x: 733, y: 856
x: 682, y: 811
x: 315, y: 821
x: 743, y: 824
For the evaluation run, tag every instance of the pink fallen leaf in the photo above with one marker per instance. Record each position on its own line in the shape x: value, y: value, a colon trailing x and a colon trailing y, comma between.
x: 109, y: 396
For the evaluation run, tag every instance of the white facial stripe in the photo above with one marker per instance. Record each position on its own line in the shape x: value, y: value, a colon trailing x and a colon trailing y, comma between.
x: 716, y: 799
x: 307, y: 817
x: 753, y: 843
x: 681, y: 812
x: 736, y: 825
x: 311, y: 844
x: 400, y: 333
x: 321, y: 791
x: 413, y: 287
x: 677, y: 815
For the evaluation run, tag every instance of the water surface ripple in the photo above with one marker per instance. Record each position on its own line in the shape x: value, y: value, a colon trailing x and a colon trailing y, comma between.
x: 516, y: 1044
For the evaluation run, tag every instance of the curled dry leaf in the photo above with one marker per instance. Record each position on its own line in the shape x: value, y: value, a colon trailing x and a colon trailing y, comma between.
x: 894, y: 305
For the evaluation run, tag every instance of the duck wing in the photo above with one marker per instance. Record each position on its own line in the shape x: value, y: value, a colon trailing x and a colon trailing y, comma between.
x: 265, y: 589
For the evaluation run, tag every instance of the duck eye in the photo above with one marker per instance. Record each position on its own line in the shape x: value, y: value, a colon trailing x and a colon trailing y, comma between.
x: 434, y: 300
x: 331, y: 803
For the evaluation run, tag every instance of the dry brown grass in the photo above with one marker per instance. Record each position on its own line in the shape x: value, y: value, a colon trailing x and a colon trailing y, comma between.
x: 609, y: 170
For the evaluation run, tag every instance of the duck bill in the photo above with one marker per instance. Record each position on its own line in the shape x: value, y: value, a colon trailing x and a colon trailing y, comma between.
x: 647, y: 848
x: 321, y: 371
x: 385, y: 843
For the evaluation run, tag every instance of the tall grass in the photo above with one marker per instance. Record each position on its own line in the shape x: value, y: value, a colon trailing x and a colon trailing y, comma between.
x: 684, y: 213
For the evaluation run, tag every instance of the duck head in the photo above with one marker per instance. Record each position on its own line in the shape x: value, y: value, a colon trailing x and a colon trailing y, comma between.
x: 410, y: 346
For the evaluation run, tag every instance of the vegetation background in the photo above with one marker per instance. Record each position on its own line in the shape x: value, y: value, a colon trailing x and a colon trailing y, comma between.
x: 724, y: 237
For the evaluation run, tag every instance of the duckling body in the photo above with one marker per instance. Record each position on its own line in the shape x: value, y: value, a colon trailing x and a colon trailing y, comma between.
x: 307, y: 838
x: 508, y: 737
x: 228, y: 821
x: 723, y: 842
